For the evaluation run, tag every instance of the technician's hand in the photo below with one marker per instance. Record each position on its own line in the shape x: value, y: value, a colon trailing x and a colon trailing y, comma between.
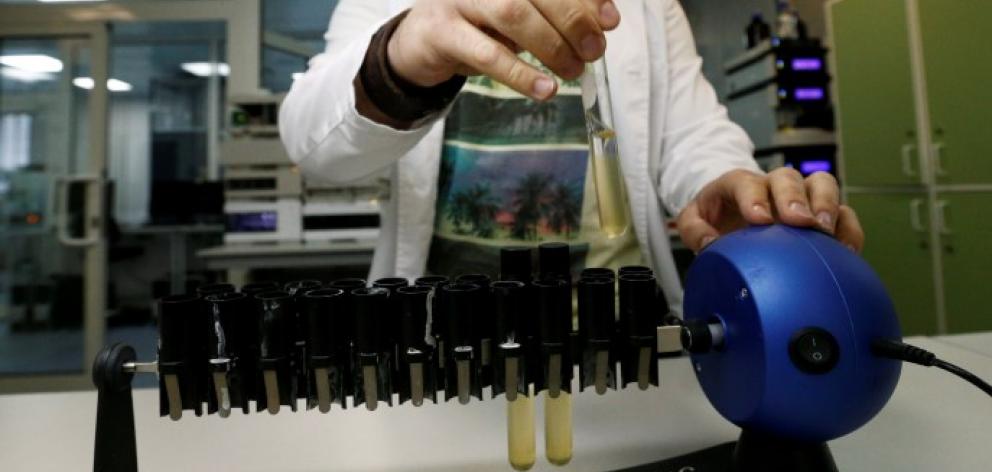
x: 740, y: 198
x: 441, y: 38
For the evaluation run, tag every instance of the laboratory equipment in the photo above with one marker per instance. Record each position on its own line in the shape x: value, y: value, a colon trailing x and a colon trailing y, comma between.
x: 252, y: 221
x: 604, y: 151
x: 790, y: 334
x: 341, y: 220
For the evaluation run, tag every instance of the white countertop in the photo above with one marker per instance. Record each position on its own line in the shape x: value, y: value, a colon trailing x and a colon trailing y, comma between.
x: 934, y: 422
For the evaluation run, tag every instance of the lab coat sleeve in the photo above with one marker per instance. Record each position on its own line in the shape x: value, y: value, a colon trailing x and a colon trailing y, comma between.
x: 700, y: 143
x: 321, y: 129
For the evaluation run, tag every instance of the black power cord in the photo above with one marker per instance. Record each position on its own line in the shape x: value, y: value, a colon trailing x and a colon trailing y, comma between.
x: 905, y: 352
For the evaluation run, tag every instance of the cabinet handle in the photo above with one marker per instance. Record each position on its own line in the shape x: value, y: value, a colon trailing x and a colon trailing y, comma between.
x: 914, y: 215
x: 942, y: 217
x: 907, y: 159
x: 938, y: 159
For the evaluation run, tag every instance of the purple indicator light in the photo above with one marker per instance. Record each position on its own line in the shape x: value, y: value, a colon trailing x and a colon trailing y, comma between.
x: 809, y: 93
x: 809, y: 167
x: 807, y: 64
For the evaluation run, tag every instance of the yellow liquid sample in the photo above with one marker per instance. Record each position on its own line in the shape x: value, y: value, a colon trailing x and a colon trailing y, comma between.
x: 558, y: 428
x: 614, y: 218
x: 520, y: 432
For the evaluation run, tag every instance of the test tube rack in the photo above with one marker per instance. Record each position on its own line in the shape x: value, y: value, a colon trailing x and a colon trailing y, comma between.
x: 266, y: 346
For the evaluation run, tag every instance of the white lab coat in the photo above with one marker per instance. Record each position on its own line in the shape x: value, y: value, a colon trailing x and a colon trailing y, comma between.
x: 674, y: 136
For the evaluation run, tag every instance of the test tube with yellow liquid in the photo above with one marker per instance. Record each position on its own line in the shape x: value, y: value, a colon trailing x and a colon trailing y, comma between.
x: 611, y: 193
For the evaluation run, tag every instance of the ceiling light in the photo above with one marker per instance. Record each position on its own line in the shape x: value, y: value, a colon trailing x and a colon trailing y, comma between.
x: 113, y: 85
x: 206, y: 69
x: 38, y: 63
x: 83, y: 82
x: 22, y: 75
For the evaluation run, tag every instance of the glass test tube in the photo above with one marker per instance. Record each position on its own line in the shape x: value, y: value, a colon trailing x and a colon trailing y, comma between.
x: 558, y: 427
x: 611, y: 194
x: 520, y: 432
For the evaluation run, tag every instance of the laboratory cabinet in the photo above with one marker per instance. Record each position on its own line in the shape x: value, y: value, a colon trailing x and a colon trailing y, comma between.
x: 912, y: 90
x: 898, y: 247
x: 965, y: 229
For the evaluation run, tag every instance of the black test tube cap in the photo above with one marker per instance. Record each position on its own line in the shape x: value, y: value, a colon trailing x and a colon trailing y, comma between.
x: 369, y: 305
x: 431, y: 281
x: 256, y: 288
x: 638, y: 304
x: 459, y: 304
x: 300, y: 287
x: 391, y: 283
x: 597, y: 273
x: 277, y: 323
x: 515, y: 263
x: 321, y: 310
x: 635, y: 269
x: 551, y: 295
x: 597, y: 308
x: 555, y: 261
x: 211, y: 289
x: 508, y: 303
x: 482, y: 280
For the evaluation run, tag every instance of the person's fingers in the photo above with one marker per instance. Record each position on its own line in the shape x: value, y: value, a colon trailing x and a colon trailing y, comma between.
x: 849, y: 229
x: 824, y: 199
x: 750, y: 194
x: 578, y: 25
x: 789, y: 194
x: 609, y: 16
x: 695, y: 231
x: 521, y: 22
x: 470, y: 46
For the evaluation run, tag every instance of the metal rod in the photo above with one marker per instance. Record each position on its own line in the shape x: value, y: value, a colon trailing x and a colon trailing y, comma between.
x: 172, y: 395
x: 554, y: 375
x: 370, y: 384
x: 644, y: 368
x: 323, y: 389
x: 417, y: 384
x: 141, y: 367
x: 512, y: 371
x: 602, y: 368
x: 271, y: 380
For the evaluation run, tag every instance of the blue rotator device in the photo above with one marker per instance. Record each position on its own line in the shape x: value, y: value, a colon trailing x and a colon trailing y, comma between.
x: 779, y: 323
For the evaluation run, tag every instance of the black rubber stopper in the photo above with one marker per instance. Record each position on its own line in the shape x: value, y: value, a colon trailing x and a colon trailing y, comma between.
x: 391, y: 283
x: 115, y: 445
x: 597, y: 309
x: 555, y: 261
x: 515, y: 263
x: 238, y: 325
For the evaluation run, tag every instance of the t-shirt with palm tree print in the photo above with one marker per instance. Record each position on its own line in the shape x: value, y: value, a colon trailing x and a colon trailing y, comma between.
x: 517, y: 172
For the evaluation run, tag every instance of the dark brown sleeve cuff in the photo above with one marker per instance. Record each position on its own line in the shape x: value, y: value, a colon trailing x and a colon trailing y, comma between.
x: 384, y: 96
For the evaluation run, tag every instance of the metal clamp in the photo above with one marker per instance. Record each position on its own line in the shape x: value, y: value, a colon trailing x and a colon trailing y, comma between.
x: 62, y: 211
x: 942, y: 217
x: 938, y: 159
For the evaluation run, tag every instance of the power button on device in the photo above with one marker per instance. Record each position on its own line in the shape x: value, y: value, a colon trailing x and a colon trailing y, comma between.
x: 814, y: 350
